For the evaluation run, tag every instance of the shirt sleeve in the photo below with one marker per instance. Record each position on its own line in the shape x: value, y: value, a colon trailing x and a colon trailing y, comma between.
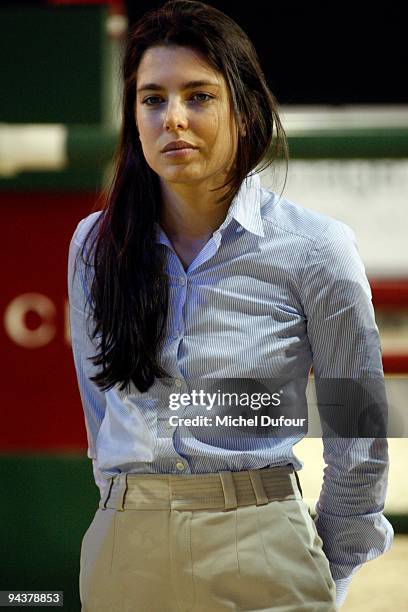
x: 93, y: 399
x: 345, y: 345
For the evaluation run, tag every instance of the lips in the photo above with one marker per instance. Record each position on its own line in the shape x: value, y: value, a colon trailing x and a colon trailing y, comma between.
x: 178, y: 144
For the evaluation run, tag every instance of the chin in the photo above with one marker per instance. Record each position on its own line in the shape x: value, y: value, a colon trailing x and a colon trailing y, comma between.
x: 181, y: 175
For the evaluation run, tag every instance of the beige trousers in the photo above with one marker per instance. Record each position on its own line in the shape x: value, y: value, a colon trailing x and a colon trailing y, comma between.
x: 204, y: 543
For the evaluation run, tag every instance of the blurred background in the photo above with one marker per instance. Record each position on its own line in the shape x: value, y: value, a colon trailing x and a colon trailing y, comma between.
x: 339, y: 73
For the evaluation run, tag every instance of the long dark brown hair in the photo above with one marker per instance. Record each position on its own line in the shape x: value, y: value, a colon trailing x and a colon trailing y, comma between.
x: 128, y: 282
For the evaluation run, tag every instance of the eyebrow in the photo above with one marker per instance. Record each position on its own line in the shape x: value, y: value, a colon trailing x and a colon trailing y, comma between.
x: 188, y: 85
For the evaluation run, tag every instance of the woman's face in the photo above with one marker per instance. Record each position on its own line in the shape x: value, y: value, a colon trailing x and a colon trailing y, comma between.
x: 169, y: 107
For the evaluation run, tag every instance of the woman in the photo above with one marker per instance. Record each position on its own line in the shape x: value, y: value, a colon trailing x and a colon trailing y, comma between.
x: 193, y: 274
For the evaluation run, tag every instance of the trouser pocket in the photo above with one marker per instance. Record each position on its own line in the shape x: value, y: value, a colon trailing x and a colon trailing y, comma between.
x: 292, y: 544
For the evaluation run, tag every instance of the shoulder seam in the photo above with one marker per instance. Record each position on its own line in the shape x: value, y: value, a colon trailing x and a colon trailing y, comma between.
x: 288, y: 231
x: 317, y: 245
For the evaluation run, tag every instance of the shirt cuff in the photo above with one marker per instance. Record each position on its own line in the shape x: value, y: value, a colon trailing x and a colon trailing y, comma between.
x: 342, y: 586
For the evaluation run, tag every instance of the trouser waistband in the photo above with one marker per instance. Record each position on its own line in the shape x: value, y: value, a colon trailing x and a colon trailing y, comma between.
x: 223, y: 490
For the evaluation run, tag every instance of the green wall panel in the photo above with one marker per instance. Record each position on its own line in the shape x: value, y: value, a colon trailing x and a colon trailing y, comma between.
x: 87, y: 179
x: 48, y: 503
x: 52, y: 62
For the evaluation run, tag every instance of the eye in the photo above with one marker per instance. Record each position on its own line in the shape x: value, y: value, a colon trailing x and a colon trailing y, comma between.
x: 150, y: 100
x: 203, y: 94
x: 146, y: 100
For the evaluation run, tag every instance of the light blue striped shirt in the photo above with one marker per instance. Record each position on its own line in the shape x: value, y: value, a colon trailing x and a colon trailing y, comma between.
x: 277, y: 289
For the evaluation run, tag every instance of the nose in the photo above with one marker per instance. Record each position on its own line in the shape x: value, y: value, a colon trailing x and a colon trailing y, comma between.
x: 175, y: 116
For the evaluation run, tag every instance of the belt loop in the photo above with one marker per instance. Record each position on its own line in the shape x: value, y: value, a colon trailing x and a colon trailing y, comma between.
x: 228, y: 487
x: 298, y: 483
x: 106, y: 494
x: 121, y: 491
x: 258, y: 487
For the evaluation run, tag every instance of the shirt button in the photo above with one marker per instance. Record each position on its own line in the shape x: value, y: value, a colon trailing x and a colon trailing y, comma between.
x: 177, y: 382
x: 180, y: 466
x: 182, y: 280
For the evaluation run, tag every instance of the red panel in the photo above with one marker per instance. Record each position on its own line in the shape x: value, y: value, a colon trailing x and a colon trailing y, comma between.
x: 390, y: 293
x: 395, y: 364
x: 40, y: 401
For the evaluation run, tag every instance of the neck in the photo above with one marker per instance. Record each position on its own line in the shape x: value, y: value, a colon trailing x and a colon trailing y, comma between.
x: 190, y: 211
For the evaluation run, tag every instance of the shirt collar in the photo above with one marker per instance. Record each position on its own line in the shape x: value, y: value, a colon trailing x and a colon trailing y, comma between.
x: 245, y: 208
